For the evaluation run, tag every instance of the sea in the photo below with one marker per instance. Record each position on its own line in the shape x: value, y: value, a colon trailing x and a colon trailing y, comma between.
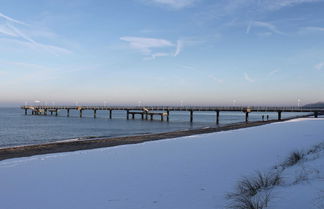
x: 18, y: 129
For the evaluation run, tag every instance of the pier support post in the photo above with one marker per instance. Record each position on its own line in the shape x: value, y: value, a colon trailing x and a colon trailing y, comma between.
x: 68, y: 112
x: 162, y: 117
x: 316, y: 114
x: 133, y: 116
x: 168, y: 113
x: 25, y: 111
x: 151, y: 116
x: 127, y: 114
x: 142, y: 116
x: 146, y: 116
x: 110, y: 114
x: 217, y: 117
x: 279, y: 115
x: 56, y: 112
x: 45, y: 111
x: 80, y: 113
x: 94, y: 113
x: 246, y: 117
x: 191, y: 116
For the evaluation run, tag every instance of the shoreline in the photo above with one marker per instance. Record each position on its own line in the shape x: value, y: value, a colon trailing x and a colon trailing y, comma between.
x: 76, y: 145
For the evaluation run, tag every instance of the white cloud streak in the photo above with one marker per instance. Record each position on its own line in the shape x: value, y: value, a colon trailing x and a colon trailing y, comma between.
x: 319, y: 66
x: 21, y: 34
x: 273, y: 72
x: 11, y: 19
x: 5, y: 30
x: 265, y: 25
x: 149, y: 46
x: 248, y: 78
x: 8, y: 29
x: 175, y: 4
x: 145, y: 45
x: 160, y: 54
x: 313, y: 29
x: 279, y: 4
x: 180, y: 45
x: 214, y: 78
x: 238, y: 9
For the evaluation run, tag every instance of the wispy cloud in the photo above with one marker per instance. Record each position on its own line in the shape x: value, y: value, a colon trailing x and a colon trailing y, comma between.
x: 312, y: 29
x: 194, y: 41
x: 146, y: 45
x: 319, y: 66
x: 265, y: 25
x: 175, y: 4
x: 273, y: 72
x: 214, y: 78
x: 158, y: 54
x: 21, y: 34
x: 279, y: 4
x: 10, y: 29
x: 20, y: 44
x: 11, y: 19
x: 7, y: 31
x: 152, y: 46
x: 180, y: 45
x: 243, y: 10
x: 248, y: 78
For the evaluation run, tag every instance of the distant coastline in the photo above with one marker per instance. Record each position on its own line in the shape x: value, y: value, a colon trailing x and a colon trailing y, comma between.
x: 75, y: 145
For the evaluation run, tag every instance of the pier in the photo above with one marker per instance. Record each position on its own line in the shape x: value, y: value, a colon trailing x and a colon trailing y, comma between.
x: 163, y: 112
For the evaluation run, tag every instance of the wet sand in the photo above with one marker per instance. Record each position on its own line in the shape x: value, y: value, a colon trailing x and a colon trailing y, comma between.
x: 68, y: 146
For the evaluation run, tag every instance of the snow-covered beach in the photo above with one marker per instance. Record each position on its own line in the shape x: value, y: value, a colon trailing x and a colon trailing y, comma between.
x: 189, y: 172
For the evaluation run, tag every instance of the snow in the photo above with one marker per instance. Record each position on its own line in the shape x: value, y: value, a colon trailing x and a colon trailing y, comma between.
x: 303, y: 184
x: 192, y: 172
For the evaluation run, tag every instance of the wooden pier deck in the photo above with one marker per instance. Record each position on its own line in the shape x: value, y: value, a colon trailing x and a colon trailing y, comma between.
x: 147, y: 112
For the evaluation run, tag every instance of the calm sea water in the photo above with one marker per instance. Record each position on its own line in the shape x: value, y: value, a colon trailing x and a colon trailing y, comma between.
x: 19, y: 129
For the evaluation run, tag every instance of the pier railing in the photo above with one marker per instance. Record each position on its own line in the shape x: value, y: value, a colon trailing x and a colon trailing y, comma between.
x: 182, y: 108
x: 165, y: 110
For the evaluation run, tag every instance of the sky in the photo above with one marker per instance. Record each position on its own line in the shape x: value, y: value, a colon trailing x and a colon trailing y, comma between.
x: 161, y: 52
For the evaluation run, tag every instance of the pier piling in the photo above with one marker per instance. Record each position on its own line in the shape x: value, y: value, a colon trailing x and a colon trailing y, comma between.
x: 279, y: 115
x: 246, y: 116
x: 191, y: 116
x: 217, y: 117
x: 168, y: 113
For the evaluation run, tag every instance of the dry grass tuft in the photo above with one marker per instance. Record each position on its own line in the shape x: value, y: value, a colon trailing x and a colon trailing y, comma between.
x: 255, y: 202
x: 253, y: 193
x: 293, y: 159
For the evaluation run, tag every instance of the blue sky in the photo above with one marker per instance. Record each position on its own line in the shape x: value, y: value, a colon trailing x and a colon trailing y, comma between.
x: 242, y: 52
